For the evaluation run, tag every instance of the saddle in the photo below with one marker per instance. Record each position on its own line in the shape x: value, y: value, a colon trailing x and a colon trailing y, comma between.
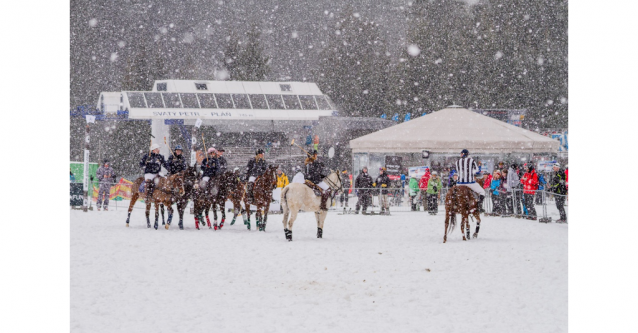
x: 142, y: 188
x: 314, y: 187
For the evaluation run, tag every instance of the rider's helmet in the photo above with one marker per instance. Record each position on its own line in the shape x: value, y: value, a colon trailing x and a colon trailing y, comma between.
x: 464, y: 153
x: 155, y: 146
x: 212, y: 150
x: 530, y: 167
x: 314, y: 152
x: 178, y: 147
x: 259, y: 151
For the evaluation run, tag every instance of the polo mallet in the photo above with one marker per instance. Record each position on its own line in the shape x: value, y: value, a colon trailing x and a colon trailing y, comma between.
x: 204, y: 142
x: 169, y: 148
x: 150, y: 146
x: 293, y: 143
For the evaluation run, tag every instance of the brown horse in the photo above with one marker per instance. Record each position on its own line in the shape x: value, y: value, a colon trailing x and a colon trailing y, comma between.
x: 461, y: 200
x: 162, y: 195
x: 190, y: 178
x: 264, y: 185
x: 236, y: 195
x: 203, y: 199
x: 224, y: 184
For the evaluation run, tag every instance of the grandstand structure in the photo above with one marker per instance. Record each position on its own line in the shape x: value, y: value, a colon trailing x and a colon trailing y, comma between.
x: 242, y: 116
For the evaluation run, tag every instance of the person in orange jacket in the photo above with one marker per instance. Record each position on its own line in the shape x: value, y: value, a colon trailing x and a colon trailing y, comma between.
x: 530, y: 185
x: 423, y: 186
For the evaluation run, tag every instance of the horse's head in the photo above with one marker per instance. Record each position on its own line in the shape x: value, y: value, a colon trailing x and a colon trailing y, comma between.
x: 271, y: 174
x: 334, y: 180
x: 176, y: 183
x: 189, y: 177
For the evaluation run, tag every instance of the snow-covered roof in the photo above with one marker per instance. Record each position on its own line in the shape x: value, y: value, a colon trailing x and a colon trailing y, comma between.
x: 449, y: 131
x: 228, y: 100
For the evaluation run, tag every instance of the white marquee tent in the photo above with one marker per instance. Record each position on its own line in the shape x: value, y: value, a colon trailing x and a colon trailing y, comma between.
x: 449, y: 131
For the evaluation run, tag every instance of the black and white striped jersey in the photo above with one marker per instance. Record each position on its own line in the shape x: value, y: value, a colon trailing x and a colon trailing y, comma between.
x: 466, y: 168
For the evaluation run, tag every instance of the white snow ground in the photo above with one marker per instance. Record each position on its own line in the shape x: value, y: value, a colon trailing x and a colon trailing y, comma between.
x: 368, y: 274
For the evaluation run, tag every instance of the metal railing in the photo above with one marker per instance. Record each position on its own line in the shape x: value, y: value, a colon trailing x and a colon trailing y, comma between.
x: 506, y: 204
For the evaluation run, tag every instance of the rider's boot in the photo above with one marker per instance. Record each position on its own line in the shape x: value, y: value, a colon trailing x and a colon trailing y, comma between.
x: 324, y: 198
x: 249, y: 192
x: 149, y: 189
x: 480, y: 204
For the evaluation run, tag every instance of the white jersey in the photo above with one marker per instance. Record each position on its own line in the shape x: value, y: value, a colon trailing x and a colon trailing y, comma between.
x: 466, y: 168
x: 298, y: 178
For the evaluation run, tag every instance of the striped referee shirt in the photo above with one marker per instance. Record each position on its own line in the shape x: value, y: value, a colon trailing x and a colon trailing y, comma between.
x: 466, y: 168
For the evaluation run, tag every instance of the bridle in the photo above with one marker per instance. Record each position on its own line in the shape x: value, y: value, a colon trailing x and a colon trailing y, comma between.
x: 336, y: 188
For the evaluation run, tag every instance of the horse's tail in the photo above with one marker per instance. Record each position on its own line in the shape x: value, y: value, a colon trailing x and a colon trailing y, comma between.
x: 284, y: 201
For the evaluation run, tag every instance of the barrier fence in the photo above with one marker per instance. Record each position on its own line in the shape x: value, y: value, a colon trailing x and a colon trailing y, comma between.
x: 511, y: 203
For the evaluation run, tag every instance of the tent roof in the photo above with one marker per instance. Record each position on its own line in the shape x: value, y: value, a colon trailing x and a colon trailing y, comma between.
x: 452, y: 129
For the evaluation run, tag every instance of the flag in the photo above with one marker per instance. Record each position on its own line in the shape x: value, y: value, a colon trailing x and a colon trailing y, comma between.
x: 383, y: 116
x: 395, y: 117
x: 407, y: 117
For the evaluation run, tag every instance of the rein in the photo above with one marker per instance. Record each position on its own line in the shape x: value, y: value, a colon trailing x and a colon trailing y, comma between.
x: 336, y: 188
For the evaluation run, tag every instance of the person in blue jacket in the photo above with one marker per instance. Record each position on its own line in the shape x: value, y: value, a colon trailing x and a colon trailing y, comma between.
x: 495, y: 187
x: 152, y: 164
x: 210, y: 167
x: 541, y: 186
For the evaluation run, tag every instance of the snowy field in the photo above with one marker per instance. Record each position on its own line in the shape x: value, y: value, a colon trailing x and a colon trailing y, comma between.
x: 368, y: 274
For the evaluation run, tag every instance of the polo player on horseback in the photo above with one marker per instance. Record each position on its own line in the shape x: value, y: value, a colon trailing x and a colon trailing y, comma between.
x: 314, y: 169
x: 210, y: 168
x: 176, y: 162
x: 255, y: 168
x: 466, y: 168
x: 152, y: 164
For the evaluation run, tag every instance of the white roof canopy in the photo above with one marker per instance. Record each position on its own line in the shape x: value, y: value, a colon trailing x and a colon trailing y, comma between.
x: 449, y: 131
x: 223, y: 100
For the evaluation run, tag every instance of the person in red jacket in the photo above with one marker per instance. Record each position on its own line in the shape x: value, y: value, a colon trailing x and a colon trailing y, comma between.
x: 530, y: 185
x: 423, y: 186
x: 488, y: 180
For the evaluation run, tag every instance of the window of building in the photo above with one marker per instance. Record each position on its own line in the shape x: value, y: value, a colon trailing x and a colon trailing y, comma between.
x: 161, y: 86
x: 201, y: 86
x: 241, y: 101
x: 154, y: 100
x: 136, y: 100
x: 275, y: 102
x: 207, y: 101
x: 224, y: 101
x: 189, y: 101
x: 292, y: 103
x: 258, y: 101
x: 172, y: 100
x: 322, y: 103
x: 308, y: 102
x: 285, y: 87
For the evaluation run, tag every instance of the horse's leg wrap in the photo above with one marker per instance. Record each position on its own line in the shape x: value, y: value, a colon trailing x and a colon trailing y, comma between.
x: 288, y: 234
x: 128, y: 218
x: 196, y: 223
x: 319, y: 233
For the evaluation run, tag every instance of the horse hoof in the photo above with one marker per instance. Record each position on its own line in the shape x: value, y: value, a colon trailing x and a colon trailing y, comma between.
x: 475, y: 235
x: 167, y: 226
x: 127, y: 225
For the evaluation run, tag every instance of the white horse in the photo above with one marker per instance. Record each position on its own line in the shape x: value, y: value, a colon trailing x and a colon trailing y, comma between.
x: 296, y: 196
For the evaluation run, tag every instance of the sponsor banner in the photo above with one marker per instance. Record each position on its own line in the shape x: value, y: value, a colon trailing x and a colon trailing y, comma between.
x: 393, y: 165
x: 417, y: 172
x: 118, y: 192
